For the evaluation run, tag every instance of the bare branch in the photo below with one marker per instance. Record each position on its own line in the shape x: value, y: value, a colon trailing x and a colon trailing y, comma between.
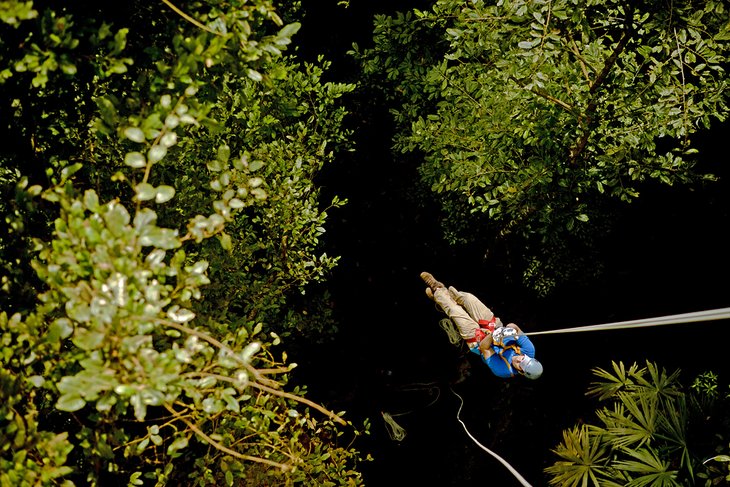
x: 189, y: 18
x: 284, y: 467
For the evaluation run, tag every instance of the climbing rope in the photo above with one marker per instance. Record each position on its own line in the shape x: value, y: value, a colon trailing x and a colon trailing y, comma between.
x: 509, y: 467
x: 709, y: 315
x: 450, y: 328
x: 395, y: 431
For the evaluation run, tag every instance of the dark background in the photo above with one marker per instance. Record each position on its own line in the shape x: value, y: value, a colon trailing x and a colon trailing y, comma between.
x: 667, y: 255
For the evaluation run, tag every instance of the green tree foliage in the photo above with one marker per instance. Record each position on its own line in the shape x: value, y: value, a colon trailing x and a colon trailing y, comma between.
x: 157, y: 166
x: 652, y: 433
x: 533, y: 116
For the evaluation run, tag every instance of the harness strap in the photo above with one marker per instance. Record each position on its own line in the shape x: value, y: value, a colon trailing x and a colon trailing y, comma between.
x: 485, y: 326
x: 511, y: 346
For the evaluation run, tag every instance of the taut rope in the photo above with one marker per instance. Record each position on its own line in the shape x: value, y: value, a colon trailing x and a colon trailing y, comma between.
x: 709, y: 315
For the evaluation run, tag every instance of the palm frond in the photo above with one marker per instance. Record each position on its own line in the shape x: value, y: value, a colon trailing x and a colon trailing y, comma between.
x: 659, y: 384
x: 651, y: 469
x: 672, y: 428
x: 634, y: 424
x: 584, y: 459
x: 612, y: 383
x: 610, y: 417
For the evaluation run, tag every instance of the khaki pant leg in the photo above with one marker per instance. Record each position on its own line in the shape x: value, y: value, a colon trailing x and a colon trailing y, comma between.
x: 465, y: 323
x: 476, y: 309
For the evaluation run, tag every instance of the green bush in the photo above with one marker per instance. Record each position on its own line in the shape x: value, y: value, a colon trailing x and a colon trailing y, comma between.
x: 159, y: 166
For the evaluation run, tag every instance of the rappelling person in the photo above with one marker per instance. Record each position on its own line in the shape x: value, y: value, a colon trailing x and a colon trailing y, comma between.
x: 506, y: 350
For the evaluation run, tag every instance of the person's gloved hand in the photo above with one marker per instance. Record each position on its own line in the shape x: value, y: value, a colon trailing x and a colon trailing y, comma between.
x: 497, y: 334
x: 480, y: 334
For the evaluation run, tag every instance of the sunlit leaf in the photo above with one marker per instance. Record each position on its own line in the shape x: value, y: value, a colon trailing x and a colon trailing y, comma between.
x: 135, y: 134
x: 135, y: 160
x: 164, y: 193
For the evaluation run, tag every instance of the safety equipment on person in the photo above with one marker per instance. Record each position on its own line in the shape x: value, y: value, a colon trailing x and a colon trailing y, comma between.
x: 531, y: 367
x: 499, y: 334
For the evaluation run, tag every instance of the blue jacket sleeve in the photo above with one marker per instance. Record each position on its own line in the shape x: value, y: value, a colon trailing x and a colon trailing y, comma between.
x: 526, y: 346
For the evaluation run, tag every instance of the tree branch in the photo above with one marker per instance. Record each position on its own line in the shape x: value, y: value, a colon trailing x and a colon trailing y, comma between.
x: 189, y: 18
x: 625, y: 36
x: 609, y: 64
x: 300, y: 399
x: 284, y: 467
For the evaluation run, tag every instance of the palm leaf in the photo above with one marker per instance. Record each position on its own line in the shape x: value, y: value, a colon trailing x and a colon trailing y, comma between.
x: 614, y: 382
x: 632, y: 422
x: 583, y: 460
x: 673, y: 429
x: 651, y: 469
x: 662, y: 386
x: 611, y: 417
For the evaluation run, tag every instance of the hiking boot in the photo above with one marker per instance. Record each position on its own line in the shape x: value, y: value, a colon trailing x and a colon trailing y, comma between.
x: 456, y: 295
x: 431, y: 281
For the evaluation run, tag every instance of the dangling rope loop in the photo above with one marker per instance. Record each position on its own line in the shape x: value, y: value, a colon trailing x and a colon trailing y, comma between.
x: 395, y: 431
x: 450, y: 328
x: 709, y: 315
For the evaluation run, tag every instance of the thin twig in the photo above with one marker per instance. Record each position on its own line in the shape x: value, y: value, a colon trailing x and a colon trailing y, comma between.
x: 221, y: 346
x: 300, y: 399
x: 284, y: 467
x: 567, y: 107
x: 189, y: 18
x: 684, y: 95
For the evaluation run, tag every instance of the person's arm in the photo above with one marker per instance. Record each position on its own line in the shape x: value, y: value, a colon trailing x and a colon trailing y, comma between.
x: 485, y: 347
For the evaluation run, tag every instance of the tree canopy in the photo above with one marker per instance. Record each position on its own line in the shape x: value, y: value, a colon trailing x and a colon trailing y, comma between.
x: 534, y: 117
x: 157, y: 166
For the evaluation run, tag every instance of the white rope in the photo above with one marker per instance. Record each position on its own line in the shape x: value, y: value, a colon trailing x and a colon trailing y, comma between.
x: 450, y: 328
x: 395, y: 431
x: 709, y: 315
x: 501, y: 460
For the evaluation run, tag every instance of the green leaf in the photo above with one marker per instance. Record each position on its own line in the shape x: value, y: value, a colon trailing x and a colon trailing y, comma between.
x: 164, y: 193
x: 145, y: 191
x: 224, y: 153
x: 69, y: 171
x: 91, y: 200
x: 179, y: 444
x: 255, y: 165
x: 135, y: 479
x: 156, y: 153
x: 254, y: 75
x: 290, y: 29
x: 116, y: 218
x: 135, y: 160
x: 526, y: 44
x: 59, y: 329
x: 719, y: 458
x: 215, y: 165
x: 70, y: 403
x: 144, y: 218
x: 87, y: 339
x: 135, y: 134
x: 163, y: 238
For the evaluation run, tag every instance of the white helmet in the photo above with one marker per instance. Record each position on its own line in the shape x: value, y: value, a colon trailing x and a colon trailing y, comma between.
x: 531, y: 367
